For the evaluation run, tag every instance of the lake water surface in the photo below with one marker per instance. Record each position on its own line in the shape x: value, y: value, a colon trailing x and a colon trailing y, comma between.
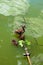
x: 12, y: 55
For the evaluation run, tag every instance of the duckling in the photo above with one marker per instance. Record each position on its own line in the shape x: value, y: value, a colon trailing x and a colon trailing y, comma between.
x: 20, y: 32
x: 15, y: 42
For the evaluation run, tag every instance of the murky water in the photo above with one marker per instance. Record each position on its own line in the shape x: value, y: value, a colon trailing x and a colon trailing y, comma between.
x: 12, y: 55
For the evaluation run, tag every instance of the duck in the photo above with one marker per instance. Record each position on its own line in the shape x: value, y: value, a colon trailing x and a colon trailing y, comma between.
x: 20, y: 32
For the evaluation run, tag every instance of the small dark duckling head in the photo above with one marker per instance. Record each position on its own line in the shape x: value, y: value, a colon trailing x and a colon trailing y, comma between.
x: 15, y: 42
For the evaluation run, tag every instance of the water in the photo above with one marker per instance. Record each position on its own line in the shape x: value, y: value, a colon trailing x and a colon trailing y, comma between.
x: 12, y: 55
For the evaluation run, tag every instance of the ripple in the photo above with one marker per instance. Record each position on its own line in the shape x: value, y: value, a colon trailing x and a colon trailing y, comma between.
x: 10, y: 25
x: 14, y: 7
x: 37, y: 60
x: 19, y: 62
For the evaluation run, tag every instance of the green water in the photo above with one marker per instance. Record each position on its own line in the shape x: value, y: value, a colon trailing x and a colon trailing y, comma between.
x: 12, y: 55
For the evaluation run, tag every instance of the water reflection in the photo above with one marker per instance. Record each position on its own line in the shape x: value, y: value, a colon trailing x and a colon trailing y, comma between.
x: 19, y: 62
x: 37, y: 60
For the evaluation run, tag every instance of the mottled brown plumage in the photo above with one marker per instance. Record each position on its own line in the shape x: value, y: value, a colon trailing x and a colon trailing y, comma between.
x: 15, y: 42
x: 20, y: 33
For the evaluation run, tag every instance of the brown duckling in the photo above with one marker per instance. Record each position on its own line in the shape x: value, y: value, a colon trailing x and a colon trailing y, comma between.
x: 15, y: 42
x: 20, y: 32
